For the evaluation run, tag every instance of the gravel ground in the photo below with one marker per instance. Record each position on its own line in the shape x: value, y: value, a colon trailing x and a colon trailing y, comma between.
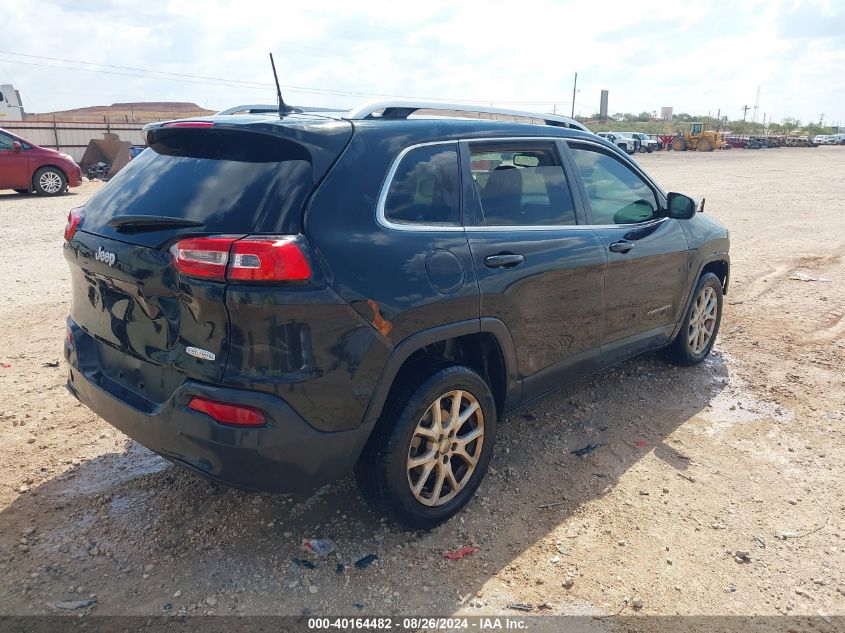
x: 715, y: 490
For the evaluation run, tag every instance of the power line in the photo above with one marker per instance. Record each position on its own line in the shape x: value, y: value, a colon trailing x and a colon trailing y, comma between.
x: 233, y: 83
x: 143, y: 70
x: 14, y: 83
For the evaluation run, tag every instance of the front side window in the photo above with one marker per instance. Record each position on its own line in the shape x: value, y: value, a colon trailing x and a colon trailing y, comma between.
x: 6, y: 142
x: 426, y: 188
x: 618, y: 195
x: 521, y: 185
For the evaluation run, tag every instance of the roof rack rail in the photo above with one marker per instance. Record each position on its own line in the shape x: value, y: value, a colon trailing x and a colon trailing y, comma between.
x: 257, y: 108
x: 402, y: 109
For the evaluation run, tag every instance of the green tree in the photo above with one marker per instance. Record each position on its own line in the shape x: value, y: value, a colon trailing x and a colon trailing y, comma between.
x: 740, y: 127
x: 789, y: 124
x: 813, y: 129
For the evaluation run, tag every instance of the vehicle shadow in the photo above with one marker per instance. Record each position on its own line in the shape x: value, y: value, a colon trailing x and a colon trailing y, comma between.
x: 149, y: 538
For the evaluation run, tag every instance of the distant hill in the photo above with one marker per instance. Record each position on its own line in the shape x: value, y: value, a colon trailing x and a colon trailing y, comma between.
x: 140, y: 112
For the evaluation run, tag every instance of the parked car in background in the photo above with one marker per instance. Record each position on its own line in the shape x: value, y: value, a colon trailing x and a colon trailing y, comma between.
x: 230, y: 312
x: 629, y: 145
x: 26, y: 167
x: 134, y: 150
x: 736, y: 141
x: 799, y: 141
x: 646, y: 144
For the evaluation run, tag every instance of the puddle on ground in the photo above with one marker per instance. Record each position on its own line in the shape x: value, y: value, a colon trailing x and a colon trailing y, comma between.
x: 735, y: 404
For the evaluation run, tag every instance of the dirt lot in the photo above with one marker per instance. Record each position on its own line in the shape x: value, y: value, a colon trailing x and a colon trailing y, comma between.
x: 743, y: 453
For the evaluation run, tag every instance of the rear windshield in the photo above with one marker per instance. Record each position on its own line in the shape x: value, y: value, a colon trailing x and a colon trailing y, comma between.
x: 231, y: 181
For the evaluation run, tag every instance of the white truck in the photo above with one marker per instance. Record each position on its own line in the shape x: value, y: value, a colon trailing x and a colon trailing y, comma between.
x: 647, y: 144
x: 628, y: 144
x: 11, y: 108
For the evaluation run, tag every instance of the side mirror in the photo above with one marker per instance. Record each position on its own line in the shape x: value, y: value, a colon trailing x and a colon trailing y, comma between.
x: 681, y: 207
x: 16, y: 146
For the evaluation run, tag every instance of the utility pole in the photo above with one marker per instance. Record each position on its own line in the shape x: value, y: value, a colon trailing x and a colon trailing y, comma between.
x: 821, y: 120
x: 756, y: 106
x: 718, y: 119
x: 574, y: 85
x: 745, y: 110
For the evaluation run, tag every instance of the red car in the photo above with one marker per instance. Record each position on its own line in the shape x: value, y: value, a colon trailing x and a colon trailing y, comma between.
x: 26, y: 167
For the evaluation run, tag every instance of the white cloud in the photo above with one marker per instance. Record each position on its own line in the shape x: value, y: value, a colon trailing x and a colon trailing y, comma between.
x: 648, y: 54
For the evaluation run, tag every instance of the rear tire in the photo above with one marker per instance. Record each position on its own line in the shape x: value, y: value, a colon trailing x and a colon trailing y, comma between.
x: 451, y: 455
x: 701, y: 323
x: 49, y: 181
x: 704, y: 145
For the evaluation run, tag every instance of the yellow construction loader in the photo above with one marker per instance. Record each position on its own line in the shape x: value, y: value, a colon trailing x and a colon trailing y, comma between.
x: 697, y: 139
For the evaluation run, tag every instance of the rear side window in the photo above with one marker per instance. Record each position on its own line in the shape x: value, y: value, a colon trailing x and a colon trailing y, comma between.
x: 231, y: 181
x: 425, y: 188
x: 521, y: 185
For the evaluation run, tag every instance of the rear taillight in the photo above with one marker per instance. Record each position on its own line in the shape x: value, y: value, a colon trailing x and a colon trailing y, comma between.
x: 203, y: 256
x: 250, y: 259
x: 232, y: 414
x: 73, y: 221
x: 277, y: 259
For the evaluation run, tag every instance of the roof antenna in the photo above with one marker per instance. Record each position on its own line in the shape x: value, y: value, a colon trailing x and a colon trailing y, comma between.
x: 283, y: 107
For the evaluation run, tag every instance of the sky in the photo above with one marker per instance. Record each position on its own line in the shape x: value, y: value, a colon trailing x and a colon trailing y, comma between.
x: 699, y: 57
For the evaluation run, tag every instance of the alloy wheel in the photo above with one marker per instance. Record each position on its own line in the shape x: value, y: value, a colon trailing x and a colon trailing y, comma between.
x: 702, y: 322
x: 445, y: 448
x: 50, y: 182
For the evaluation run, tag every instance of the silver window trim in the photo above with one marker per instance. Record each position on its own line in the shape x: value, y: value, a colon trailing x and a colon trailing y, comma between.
x: 385, y: 188
x: 420, y: 227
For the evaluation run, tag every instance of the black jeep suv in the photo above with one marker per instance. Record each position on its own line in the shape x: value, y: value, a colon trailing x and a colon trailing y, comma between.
x: 274, y: 301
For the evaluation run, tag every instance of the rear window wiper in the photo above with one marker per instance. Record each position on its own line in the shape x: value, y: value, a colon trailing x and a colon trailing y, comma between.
x: 150, y: 222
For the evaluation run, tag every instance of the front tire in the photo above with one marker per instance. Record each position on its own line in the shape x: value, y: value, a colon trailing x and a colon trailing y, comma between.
x: 49, y: 181
x: 431, y: 449
x: 704, y: 145
x: 700, y: 325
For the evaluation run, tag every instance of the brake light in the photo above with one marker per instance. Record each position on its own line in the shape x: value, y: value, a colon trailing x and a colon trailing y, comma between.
x: 277, y: 259
x: 251, y: 259
x: 189, y: 124
x: 232, y: 414
x: 74, y: 219
x: 203, y: 256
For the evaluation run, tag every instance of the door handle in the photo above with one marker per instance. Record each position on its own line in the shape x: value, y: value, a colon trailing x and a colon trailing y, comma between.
x: 622, y: 246
x: 503, y: 260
